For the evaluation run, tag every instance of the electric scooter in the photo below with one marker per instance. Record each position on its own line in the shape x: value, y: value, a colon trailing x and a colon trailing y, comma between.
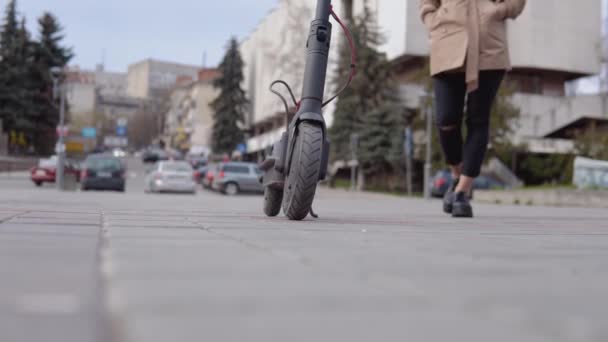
x: 299, y: 160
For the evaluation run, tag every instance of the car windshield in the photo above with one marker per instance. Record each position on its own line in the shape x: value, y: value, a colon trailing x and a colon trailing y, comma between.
x: 176, y: 167
x: 47, y: 163
x: 236, y: 168
x: 103, y: 164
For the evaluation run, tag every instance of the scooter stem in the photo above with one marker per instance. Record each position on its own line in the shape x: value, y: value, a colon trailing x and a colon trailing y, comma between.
x: 317, y: 54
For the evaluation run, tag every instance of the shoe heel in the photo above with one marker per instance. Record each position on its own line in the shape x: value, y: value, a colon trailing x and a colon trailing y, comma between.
x: 447, y: 208
x: 462, y: 211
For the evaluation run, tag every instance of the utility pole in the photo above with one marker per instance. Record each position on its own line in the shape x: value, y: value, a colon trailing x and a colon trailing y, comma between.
x: 354, y: 142
x: 604, y: 61
x: 429, y: 146
x: 56, y: 74
x: 409, y: 151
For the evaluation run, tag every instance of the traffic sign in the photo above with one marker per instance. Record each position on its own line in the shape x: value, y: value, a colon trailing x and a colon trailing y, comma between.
x: 62, y: 131
x: 121, y: 131
x: 89, y: 132
x: 112, y: 141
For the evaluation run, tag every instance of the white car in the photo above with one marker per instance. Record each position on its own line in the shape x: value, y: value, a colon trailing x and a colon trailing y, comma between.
x: 119, y: 153
x: 171, y: 176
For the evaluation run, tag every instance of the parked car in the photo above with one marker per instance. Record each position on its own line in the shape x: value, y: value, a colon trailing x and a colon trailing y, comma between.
x: 153, y: 155
x: 173, y: 154
x: 443, y: 178
x: 103, y: 172
x: 196, y: 161
x: 119, y: 153
x: 170, y: 176
x: 207, y: 179
x: 233, y: 177
x: 45, y: 171
x: 200, y: 173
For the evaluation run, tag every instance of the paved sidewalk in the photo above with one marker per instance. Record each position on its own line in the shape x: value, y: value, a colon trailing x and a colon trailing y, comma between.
x: 135, y: 267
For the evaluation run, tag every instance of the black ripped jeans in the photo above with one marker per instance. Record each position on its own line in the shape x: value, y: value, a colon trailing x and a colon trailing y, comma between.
x: 450, y: 93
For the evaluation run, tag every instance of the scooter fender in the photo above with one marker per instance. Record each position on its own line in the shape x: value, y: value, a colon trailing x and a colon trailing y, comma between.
x: 317, y: 118
x: 273, y: 167
x: 279, y: 152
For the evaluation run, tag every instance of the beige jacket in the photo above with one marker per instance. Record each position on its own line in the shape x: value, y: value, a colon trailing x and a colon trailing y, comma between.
x: 470, y: 34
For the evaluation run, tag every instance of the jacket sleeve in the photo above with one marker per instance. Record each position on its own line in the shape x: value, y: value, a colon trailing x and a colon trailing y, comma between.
x: 511, y: 9
x: 427, y: 7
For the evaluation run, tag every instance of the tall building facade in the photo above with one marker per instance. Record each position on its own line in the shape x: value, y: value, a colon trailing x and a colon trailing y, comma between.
x: 153, y: 78
x: 189, y: 119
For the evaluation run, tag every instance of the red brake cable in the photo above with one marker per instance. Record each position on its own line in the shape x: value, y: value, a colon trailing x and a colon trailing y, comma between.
x: 353, y: 55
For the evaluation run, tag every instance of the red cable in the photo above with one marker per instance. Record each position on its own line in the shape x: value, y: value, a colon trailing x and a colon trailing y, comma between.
x: 351, y: 41
x: 353, y: 54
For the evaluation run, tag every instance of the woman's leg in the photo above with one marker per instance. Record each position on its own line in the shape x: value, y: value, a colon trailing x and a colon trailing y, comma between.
x: 450, y: 92
x: 479, y: 106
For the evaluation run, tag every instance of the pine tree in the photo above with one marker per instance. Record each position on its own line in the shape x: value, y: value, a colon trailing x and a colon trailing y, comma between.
x: 9, y: 73
x: 26, y: 117
x: 48, y: 52
x: 370, y: 106
x: 231, y: 104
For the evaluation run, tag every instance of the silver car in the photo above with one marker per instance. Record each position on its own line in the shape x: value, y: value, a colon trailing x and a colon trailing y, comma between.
x: 232, y: 178
x: 171, y: 176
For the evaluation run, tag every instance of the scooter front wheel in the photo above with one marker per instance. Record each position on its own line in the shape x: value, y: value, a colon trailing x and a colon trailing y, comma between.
x: 301, y: 183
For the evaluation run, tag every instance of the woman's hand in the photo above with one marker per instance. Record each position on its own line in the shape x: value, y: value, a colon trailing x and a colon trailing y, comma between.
x: 428, y: 10
x: 499, y: 10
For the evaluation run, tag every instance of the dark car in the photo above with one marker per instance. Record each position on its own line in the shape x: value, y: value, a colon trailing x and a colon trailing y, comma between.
x: 232, y: 178
x: 154, y: 155
x: 200, y: 174
x: 197, y: 162
x: 443, y: 178
x: 103, y: 172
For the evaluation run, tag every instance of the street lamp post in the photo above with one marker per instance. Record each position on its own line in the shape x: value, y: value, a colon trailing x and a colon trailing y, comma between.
x: 59, y: 88
x: 409, y: 155
x: 354, y: 142
x: 429, y: 145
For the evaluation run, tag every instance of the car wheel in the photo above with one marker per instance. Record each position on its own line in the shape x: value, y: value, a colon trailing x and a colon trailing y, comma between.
x: 231, y: 189
x: 38, y: 184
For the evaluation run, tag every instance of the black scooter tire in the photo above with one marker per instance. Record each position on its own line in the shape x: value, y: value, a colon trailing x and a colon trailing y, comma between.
x: 272, y: 201
x: 301, y: 183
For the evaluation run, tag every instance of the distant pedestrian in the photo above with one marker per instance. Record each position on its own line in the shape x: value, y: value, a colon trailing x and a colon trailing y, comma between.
x: 469, y: 57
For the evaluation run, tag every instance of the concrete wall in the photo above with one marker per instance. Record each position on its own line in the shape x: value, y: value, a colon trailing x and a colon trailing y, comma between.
x: 81, y: 97
x: 203, y: 93
x: 151, y: 77
x: 111, y: 83
x: 190, y: 112
x: 138, y: 79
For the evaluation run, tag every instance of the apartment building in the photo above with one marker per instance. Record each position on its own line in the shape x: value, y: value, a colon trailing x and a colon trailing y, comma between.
x: 189, y: 120
x: 152, y: 78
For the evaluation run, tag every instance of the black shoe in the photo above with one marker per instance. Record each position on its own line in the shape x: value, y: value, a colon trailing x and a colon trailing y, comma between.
x: 448, y: 197
x: 461, y: 207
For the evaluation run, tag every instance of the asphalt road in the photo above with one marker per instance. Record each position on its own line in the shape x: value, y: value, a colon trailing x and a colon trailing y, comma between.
x: 78, y: 267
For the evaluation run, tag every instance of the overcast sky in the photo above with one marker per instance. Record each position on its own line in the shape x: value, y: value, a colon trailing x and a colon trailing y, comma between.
x: 126, y: 31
